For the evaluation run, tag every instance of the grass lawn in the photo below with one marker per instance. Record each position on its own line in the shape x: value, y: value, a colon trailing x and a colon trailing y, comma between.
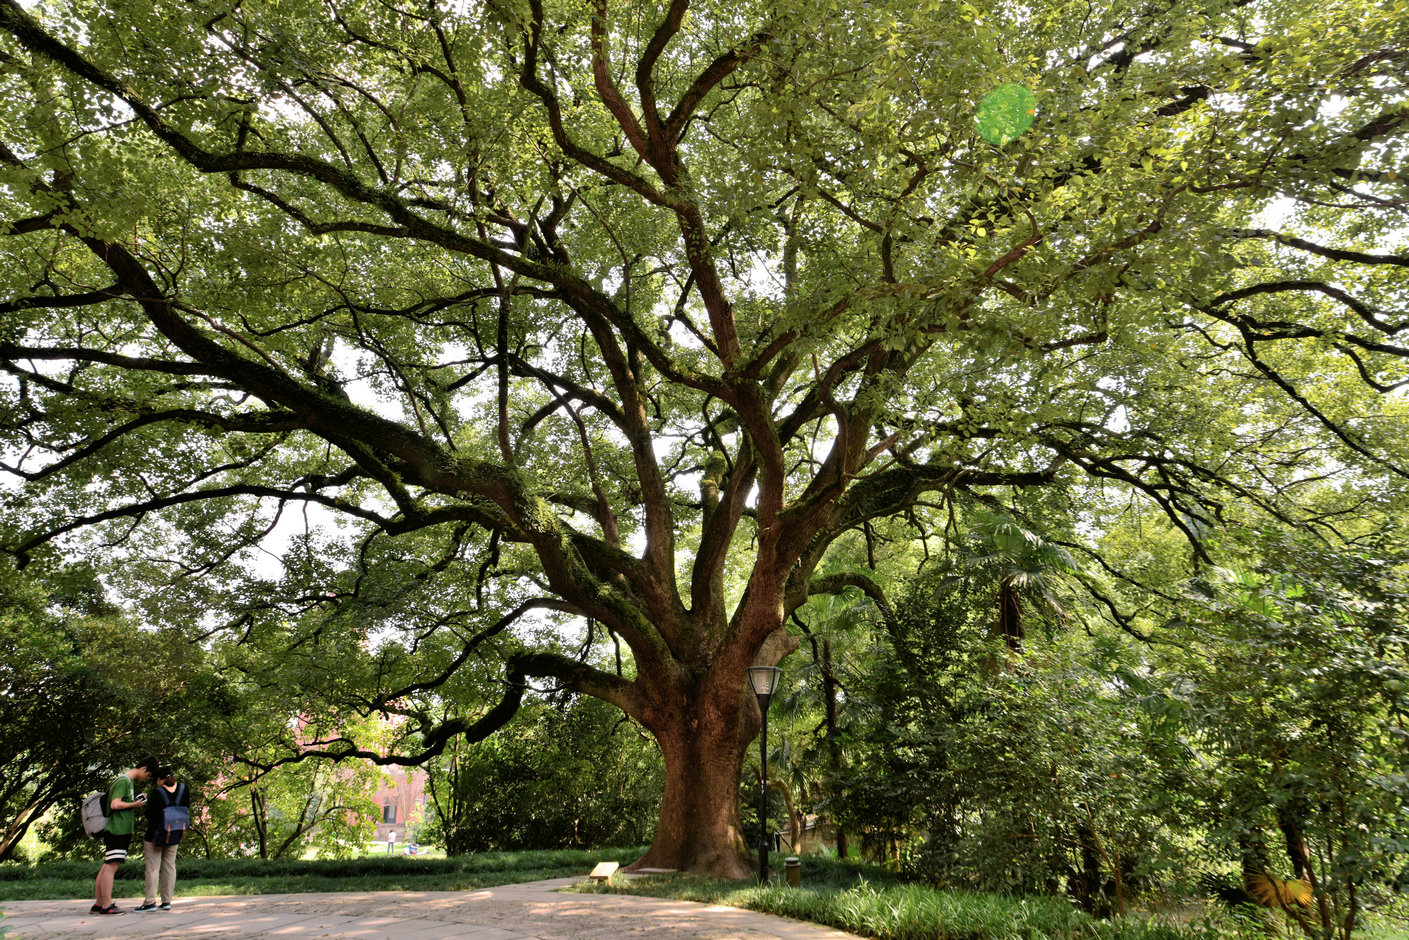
x: 873, y: 902
x: 197, y: 876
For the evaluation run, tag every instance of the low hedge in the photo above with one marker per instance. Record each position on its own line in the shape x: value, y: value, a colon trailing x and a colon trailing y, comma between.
x: 196, y: 868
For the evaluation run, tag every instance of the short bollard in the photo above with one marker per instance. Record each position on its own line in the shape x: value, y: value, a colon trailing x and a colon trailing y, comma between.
x: 792, y: 871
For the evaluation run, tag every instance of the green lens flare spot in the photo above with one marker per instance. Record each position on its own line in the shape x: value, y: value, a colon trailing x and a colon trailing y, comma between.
x: 1004, y: 113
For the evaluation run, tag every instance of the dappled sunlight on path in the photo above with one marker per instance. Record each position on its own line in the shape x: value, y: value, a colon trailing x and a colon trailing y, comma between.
x: 535, y: 911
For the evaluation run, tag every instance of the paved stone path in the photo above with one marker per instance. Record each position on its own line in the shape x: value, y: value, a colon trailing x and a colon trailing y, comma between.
x: 534, y: 911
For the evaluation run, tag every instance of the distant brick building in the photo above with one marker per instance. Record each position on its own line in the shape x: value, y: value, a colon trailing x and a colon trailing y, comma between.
x: 402, y: 801
x: 400, y: 797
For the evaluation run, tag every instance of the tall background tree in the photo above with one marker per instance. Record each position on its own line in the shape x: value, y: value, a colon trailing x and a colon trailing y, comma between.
x: 603, y: 326
x: 84, y: 694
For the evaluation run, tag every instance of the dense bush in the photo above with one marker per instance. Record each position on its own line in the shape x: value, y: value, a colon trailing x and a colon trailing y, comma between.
x: 1024, y: 768
x: 1259, y: 735
x: 566, y: 775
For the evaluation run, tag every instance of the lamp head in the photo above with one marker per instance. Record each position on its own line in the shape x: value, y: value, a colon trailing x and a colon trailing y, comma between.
x: 764, y: 680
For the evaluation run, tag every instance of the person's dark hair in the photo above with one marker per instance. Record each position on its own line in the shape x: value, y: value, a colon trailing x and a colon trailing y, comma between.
x: 164, y: 775
x: 150, y: 763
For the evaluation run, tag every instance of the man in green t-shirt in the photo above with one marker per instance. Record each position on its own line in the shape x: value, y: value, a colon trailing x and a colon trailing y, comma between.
x: 123, y: 800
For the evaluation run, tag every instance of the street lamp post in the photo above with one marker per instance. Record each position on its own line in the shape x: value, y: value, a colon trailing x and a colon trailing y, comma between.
x: 764, y: 680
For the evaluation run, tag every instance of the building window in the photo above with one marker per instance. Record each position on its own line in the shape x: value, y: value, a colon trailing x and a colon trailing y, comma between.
x: 389, y: 813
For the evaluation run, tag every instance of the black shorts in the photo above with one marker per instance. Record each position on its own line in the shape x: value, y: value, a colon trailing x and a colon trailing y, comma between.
x: 115, y: 848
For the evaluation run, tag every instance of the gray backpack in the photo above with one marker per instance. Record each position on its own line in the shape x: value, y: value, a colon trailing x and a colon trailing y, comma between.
x: 94, y: 811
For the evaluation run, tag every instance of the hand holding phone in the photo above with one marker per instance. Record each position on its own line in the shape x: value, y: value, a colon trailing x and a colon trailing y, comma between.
x: 141, y: 798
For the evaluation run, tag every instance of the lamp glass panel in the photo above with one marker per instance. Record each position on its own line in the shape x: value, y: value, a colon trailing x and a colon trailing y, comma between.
x: 764, y: 679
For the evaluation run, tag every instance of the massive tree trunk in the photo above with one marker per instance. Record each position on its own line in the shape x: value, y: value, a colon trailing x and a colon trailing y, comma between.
x: 703, y: 735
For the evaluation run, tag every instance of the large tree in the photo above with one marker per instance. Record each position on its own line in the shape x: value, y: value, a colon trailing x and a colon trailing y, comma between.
x: 632, y: 312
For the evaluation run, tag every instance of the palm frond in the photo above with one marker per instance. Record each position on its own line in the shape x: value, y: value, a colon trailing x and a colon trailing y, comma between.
x: 1271, y: 891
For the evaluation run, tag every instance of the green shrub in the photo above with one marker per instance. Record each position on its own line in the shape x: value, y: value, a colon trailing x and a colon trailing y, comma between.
x: 870, y: 902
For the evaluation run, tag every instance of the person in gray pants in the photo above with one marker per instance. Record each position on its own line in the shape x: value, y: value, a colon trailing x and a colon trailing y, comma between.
x: 168, y: 815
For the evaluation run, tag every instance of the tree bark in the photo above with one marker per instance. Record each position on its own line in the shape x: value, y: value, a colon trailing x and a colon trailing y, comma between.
x: 1300, y: 856
x: 1010, y: 624
x: 703, y: 740
x: 260, y: 823
x: 15, y: 831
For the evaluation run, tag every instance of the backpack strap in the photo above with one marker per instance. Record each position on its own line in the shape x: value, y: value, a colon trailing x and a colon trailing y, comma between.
x: 107, y: 795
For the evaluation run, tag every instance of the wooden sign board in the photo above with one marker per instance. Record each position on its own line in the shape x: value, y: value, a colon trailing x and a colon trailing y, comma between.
x: 604, y: 871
